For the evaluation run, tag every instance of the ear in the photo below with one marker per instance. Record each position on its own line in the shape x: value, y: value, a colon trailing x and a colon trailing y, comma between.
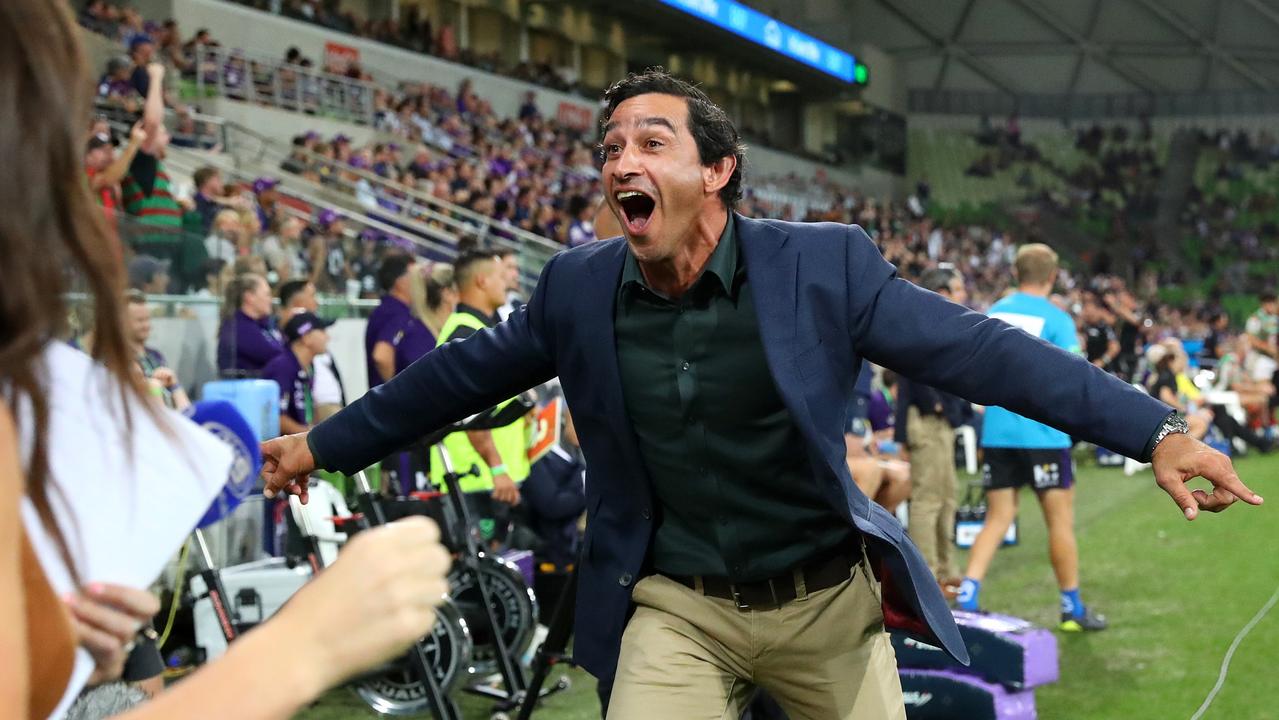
x: 716, y: 175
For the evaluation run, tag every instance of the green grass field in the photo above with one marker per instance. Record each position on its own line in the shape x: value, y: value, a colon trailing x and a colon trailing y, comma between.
x: 1175, y: 592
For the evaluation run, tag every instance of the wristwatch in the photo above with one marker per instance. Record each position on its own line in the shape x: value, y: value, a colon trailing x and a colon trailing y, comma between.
x: 1174, y: 423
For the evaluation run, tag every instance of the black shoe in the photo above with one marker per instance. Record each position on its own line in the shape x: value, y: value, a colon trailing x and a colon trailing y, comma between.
x: 1087, y: 622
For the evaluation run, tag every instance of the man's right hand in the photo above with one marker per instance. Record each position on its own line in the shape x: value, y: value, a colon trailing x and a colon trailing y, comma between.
x: 155, y: 71
x: 286, y: 464
x: 504, y: 490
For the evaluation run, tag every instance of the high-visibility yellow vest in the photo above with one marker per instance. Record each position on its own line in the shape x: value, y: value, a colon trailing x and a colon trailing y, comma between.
x: 511, y: 441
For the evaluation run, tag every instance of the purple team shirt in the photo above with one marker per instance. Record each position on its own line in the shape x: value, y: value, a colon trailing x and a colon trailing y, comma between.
x: 247, y: 345
x: 295, y: 384
x: 392, y: 322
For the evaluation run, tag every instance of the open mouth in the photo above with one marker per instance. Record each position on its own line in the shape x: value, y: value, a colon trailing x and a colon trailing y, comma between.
x: 637, y: 209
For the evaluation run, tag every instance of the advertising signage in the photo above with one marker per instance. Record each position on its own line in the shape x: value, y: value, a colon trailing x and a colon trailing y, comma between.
x: 779, y: 37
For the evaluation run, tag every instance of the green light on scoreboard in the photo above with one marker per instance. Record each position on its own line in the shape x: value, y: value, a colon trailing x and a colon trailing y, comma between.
x: 860, y: 74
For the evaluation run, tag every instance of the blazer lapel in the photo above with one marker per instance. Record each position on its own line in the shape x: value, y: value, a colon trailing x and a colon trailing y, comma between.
x: 772, y: 271
x: 594, y: 317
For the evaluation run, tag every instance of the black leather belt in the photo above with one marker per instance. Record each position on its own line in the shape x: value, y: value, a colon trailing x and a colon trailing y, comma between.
x: 776, y: 591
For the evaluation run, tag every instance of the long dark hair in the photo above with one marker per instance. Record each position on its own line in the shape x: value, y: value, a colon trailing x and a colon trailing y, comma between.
x: 49, y: 224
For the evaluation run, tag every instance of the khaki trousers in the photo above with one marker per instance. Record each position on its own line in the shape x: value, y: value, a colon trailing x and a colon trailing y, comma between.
x: 686, y: 656
x: 932, y: 497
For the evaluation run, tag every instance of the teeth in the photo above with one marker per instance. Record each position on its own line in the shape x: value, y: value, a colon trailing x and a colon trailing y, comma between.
x: 629, y: 194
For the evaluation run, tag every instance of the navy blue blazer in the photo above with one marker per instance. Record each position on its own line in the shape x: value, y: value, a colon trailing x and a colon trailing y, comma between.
x: 826, y: 299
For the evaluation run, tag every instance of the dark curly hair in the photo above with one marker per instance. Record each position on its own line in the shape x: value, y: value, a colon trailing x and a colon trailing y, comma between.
x: 715, y: 134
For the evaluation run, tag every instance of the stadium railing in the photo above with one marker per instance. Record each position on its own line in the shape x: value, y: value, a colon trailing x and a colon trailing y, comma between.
x: 252, y: 77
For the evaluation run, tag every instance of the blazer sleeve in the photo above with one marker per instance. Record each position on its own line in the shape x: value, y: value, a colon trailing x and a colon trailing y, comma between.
x: 919, y: 334
x: 452, y: 382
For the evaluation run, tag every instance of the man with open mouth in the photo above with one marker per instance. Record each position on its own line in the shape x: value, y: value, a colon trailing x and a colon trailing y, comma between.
x: 709, y: 359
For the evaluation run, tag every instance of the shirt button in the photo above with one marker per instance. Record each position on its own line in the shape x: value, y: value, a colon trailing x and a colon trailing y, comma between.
x: 646, y: 514
x: 624, y: 580
x: 685, y: 367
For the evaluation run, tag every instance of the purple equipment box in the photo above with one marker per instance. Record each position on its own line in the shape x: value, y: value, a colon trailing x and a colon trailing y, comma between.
x: 948, y: 695
x: 1004, y: 650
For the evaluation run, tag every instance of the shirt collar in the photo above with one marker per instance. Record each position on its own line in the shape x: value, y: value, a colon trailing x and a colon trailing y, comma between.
x: 721, y: 267
x: 394, y: 302
x: 489, y: 320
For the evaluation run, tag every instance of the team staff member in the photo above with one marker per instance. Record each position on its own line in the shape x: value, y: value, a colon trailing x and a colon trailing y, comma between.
x: 926, y: 422
x: 330, y: 394
x: 553, y: 500
x: 501, y: 455
x: 294, y: 370
x: 248, y: 339
x: 698, y: 355
x: 1020, y: 452
x: 393, y: 339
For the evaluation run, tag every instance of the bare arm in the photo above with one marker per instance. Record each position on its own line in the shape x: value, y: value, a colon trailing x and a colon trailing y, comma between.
x: 116, y: 171
x: 482, y: 441
x: 289, y: 426
x: 266, y: 669
x: 316, y: 251
x: 153, y: 109
x: 14, y: 683
x: 504, y: 489
x: 384, y: 360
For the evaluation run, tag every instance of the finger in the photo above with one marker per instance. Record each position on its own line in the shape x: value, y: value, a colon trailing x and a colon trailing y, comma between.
x: 1227, y: 479
x: 102, y: 646
x: 138, y: 603
x: 105, y: 619
x: 1176, y: 489
x: 1216, y: 502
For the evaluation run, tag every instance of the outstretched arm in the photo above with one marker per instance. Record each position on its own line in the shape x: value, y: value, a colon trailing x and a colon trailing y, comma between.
x: 451, y: 382
x: 920, y: 334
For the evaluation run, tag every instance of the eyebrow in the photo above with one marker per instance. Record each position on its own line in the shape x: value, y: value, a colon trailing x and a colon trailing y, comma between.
x: 643, y: 122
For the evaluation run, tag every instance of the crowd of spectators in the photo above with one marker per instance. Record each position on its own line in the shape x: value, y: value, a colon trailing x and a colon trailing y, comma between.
x: 531, y: 173
x: 414, y: 32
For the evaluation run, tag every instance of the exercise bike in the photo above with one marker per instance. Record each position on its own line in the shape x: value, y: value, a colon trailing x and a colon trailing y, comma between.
x: 500, y: 607
x: 421, y: 679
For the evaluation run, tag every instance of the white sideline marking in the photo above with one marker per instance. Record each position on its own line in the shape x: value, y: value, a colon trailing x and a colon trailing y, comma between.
x: 1225, y: 664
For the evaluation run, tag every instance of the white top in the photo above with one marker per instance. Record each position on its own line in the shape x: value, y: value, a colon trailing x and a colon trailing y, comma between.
x: 124, y: 503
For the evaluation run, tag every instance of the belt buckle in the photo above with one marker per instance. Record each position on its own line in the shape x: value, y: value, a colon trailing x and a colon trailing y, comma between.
x: 737, y: 598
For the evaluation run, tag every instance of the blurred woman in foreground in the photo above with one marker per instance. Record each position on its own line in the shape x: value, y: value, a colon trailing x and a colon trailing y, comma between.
x: 49, y: 225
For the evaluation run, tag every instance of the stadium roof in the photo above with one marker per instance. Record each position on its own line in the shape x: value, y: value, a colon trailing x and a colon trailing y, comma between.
x: 1058, y: 47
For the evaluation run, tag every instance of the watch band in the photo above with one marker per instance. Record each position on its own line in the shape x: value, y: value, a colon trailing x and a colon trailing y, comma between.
x: 1173, y: 424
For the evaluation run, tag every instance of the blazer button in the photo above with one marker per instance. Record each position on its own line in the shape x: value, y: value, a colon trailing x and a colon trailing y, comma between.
x: 646, y: 514
x: 624, y: 580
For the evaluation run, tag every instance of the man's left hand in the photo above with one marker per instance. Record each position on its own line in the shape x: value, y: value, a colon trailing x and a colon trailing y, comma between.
x: 1179, y: 458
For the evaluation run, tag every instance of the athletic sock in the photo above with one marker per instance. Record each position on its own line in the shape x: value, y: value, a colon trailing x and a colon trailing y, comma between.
x: 1071, y: 604
x: 968, y: 591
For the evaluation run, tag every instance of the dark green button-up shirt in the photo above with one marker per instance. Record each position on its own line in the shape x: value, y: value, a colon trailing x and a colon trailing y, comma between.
x: 736, y: 493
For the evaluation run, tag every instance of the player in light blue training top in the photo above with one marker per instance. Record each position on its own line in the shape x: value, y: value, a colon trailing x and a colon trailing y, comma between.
x: 1020, y: 452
